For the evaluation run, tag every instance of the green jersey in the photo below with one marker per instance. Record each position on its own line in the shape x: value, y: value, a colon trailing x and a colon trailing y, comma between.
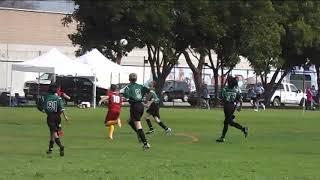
x: 153, y: 96
x: 52, y: 104
x: 231, y: 95
x: 135, y: 92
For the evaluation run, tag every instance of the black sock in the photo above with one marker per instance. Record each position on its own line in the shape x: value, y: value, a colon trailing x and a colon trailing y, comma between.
x: 236, y: 125
x: 58, y: 142
x: 149, y: 124
x: 162, y: 125
x: 225, y: 130
x: 51, y: 143
x: 131, y: 123
x: 142, y: 136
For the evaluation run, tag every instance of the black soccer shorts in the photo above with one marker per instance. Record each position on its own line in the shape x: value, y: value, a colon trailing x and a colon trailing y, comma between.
x: 136, y: 111
x: 54, y: 122
x: 154, y: 110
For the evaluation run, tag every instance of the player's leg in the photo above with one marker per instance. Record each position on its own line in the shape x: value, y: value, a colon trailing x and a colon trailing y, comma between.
x: 228, y: 115
x: 256, y: 104
x: 111, y: 130
x: 233, y: 123
x: 57, y: 120
x: 147, y: 118
x: 51, y: 143
x: 138, y: 112
x: 156, y: 115
x: 131, y: 121
x: 51, y: 136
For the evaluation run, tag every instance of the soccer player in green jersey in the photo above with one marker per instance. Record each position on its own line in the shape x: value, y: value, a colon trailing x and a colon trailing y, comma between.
x: 52, y: 105
x: 231, y: 96
x: 135, y: 93
x: 153, y: 106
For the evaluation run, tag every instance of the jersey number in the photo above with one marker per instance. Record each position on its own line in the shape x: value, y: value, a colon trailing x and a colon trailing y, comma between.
x: 116, y: 99
x: 52, y: 106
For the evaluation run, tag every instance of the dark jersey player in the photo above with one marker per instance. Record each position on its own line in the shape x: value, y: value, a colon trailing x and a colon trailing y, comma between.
x: 231, y: 96
x: 135, y: 93
x: 52, y: 105
x: 114, y: 108
x: 153, y: 107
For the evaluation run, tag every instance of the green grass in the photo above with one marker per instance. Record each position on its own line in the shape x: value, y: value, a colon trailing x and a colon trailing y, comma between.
x: 282, y: 144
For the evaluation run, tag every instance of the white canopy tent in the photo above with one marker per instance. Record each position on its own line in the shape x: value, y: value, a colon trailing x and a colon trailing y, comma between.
x: 57, y: 63
x: 107, y: 72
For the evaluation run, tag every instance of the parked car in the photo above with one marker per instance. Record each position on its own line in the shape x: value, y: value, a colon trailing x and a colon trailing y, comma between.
x: 78, y: 88
x: 175, y: 90
x: 288, y: 93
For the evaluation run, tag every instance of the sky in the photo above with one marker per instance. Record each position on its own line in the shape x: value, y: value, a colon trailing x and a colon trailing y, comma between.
x: 56, y: 5
x: 65, y: 6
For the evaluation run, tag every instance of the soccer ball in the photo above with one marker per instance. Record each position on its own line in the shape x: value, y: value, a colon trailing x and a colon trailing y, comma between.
x: 123, y: 42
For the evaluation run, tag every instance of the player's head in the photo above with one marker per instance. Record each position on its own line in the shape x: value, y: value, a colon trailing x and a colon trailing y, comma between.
x: 133, y: 77
x: 113, y: 87
x: 232, y: 82
x: 52, y: 88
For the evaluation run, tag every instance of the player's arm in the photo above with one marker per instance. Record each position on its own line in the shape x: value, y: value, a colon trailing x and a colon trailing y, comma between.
x: 239, y: 101
x: 61, y: 109
x: 66, y: 96
x: 103, y: 99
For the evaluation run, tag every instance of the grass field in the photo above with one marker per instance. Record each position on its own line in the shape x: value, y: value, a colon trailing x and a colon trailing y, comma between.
x: 282, y: 144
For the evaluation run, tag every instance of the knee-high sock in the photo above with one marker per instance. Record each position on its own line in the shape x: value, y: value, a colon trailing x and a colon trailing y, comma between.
x: 51, y: 143
x: 142, y: 136
x: 236, y: 125
x: 225, y: 130
x: 58, y: 142
x: 149, y: 124
x: 132, y: 125
x: 111, y: 130
x: 162, y: 125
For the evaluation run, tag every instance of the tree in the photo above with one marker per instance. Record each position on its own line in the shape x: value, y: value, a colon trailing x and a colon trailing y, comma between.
x: 156, y: 33
x: 102, y: 25
x: 196, y: 29
x: 260, y: 40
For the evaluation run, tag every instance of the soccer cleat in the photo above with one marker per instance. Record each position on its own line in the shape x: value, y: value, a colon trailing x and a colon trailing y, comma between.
x: 220, y: 140
x: 256, y: 110
x: 168, y: 131
x: 49, y: 151
x: 150, y: 131
x: 146, y: 146
x: 62, y: 151
x: 246, y: 132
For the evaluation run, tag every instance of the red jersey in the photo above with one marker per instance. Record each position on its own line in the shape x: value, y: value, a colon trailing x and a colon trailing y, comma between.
x: 114, y: 102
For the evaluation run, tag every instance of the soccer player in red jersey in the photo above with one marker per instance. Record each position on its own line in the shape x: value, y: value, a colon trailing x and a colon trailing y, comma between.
x: 114, y: 108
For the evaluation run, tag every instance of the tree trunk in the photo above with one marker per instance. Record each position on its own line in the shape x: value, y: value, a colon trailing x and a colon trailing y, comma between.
x: 216, y: 86
x: 118, y: 58
x: 317, y: 66
x: 197, y: 72
x: 272, y: 86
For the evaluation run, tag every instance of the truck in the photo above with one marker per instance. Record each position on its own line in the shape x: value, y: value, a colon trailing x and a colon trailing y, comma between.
x: 288, y: 93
